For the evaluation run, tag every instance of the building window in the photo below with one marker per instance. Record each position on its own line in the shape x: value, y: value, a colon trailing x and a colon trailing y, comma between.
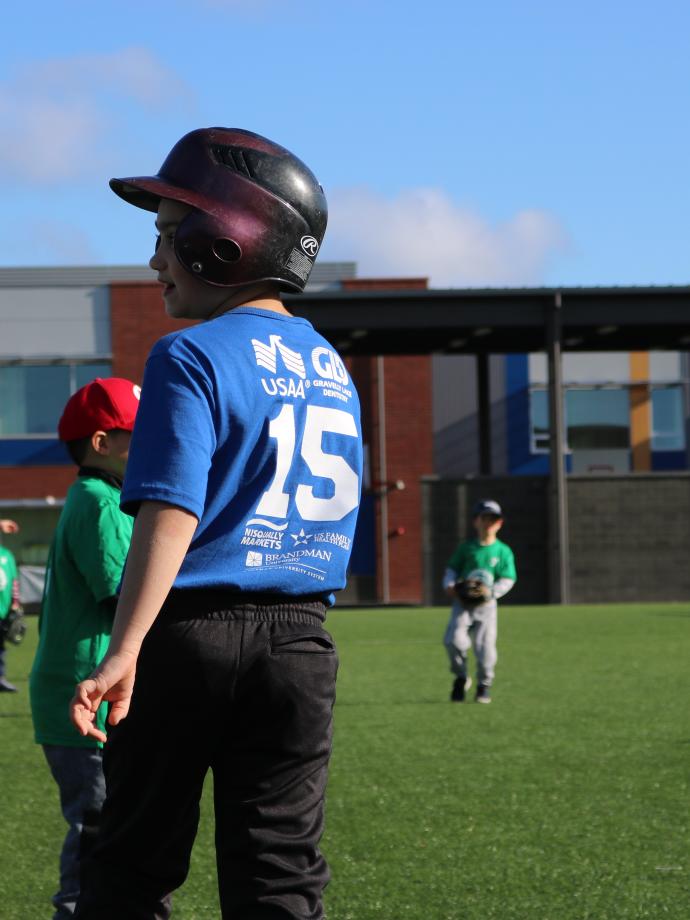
x: 32, y: 396
x: 596, y: 418
x: 539, y: 421
x: 668, y: 429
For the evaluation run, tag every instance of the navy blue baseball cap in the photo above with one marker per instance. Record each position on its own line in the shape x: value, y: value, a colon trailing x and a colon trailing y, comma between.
x: 487, y: 506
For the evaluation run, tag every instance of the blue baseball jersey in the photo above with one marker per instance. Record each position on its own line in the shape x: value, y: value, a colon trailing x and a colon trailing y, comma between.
x: 250, y: 421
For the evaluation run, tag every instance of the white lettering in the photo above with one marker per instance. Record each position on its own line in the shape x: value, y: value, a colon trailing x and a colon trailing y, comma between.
x: 266, y: 542
x: 280, y: 386
x: 329, y: 365
x: 294, y: 557
x: 337, y: 539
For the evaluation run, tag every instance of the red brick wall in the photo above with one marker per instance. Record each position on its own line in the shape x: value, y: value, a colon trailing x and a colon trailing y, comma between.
x: 409, y: 450
x: 385, y: 284
x: 18, y: 482
x: 138, y: 319
x: 409, y: 456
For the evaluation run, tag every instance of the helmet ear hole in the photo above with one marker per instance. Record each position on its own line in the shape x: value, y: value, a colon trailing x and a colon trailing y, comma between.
x: 226, y: 250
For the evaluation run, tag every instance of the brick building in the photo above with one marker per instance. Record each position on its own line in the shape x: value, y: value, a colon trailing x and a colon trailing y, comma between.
x: 62, y: 327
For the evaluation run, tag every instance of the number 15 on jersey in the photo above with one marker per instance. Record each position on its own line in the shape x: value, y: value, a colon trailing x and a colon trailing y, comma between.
x: 318, y: 421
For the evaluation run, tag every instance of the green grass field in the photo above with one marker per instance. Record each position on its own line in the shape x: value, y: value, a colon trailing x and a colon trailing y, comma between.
x: 566, y: 799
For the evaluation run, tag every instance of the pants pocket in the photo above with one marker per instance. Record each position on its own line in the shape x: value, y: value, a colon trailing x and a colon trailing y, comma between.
x: 309, y: 643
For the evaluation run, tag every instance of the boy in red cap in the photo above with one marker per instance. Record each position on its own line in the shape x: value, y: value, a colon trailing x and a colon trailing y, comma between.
x: 82, y: 578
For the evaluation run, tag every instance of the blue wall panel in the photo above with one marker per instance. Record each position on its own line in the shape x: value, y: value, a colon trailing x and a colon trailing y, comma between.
x: 33, y: 452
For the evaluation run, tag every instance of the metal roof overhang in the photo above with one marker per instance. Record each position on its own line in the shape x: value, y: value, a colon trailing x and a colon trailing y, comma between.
x: 498, y: 320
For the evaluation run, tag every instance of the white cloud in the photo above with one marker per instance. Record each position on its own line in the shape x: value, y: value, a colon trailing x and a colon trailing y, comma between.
x: 135, y: 73
x: 46, y: 140
x: 64, y: 244
x: 422, y: 233
x: 60, y: 116
x: 47, y: 242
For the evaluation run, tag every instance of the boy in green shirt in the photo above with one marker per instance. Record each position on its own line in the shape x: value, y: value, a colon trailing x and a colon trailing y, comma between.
x: 479, y: 572
x: 82, y: 577
x: 9, y: 600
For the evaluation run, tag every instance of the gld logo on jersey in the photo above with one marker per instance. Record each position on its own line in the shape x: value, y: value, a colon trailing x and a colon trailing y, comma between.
x: 332, y: 375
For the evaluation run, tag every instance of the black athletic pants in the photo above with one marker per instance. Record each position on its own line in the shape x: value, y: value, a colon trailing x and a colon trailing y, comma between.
x: 246, y: 689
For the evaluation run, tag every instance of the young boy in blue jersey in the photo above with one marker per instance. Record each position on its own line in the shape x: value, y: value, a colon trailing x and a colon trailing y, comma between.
x: 244, y: 475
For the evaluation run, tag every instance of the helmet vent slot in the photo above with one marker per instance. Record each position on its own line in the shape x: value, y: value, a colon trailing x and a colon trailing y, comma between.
x: 239, y: 159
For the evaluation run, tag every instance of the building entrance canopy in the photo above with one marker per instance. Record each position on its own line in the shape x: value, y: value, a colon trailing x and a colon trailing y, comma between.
x: 499, y: 320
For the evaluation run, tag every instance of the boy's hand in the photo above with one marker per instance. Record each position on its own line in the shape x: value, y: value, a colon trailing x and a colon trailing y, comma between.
x: 113, y: 682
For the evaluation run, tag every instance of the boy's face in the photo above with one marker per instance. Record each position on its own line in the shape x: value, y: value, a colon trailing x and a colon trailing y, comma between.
x: 109, y: 451
x: 119, y: 449
x: 185, y: 296
x: 487, y: 525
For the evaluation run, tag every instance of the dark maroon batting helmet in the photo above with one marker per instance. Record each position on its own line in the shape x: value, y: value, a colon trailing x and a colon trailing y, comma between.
x: 259, y: 212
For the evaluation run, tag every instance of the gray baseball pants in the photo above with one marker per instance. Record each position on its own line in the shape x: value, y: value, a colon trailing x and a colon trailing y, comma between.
x: 473, y: 628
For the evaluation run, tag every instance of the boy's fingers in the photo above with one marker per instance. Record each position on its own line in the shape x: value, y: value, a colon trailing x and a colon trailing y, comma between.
x: 83, y: 720
x: 88, y: 694
x: 90, y: 730
x: 118, y: 711
x: 84, y: 706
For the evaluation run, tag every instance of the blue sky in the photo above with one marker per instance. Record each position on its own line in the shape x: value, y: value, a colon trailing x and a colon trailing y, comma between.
x: 503, y: 143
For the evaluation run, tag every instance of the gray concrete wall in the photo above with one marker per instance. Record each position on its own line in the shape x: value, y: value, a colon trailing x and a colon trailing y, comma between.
x: 629, y: 535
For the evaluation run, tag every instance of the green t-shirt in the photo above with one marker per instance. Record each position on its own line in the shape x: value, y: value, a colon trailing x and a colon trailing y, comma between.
x: 8, y: 575
x: 84, y: 569
x: 496, y: 558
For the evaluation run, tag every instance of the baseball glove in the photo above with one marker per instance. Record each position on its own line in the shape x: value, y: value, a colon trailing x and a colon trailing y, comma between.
x: 475, y: 589
x: 13, y: 627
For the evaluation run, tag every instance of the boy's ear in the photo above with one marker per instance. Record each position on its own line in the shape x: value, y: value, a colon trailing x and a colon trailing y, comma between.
x: 100, y: 443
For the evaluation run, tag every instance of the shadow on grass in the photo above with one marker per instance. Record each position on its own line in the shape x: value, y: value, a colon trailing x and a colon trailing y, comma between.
x: 387, y: 703
x: 669, y: 613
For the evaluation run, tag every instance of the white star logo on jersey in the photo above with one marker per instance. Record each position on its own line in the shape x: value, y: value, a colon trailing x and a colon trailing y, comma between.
x: 267, y: 356
x: 301, y: 537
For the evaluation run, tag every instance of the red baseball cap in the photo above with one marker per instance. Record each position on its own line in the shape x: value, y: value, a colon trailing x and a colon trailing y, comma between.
x: 103, y: 404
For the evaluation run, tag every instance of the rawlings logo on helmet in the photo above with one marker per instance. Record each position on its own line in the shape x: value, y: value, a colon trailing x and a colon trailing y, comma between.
x: 310, y: 245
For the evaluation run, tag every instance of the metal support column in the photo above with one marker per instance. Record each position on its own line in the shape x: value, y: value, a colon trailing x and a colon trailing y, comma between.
x: 559, y: 561
x: 383, y: 479
x: 484, y: 414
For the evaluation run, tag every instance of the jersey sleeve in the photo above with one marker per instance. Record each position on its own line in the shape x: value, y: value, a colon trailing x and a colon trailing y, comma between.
x: 506, y: 567
x: 174, y: 437
x: 100, y: 549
